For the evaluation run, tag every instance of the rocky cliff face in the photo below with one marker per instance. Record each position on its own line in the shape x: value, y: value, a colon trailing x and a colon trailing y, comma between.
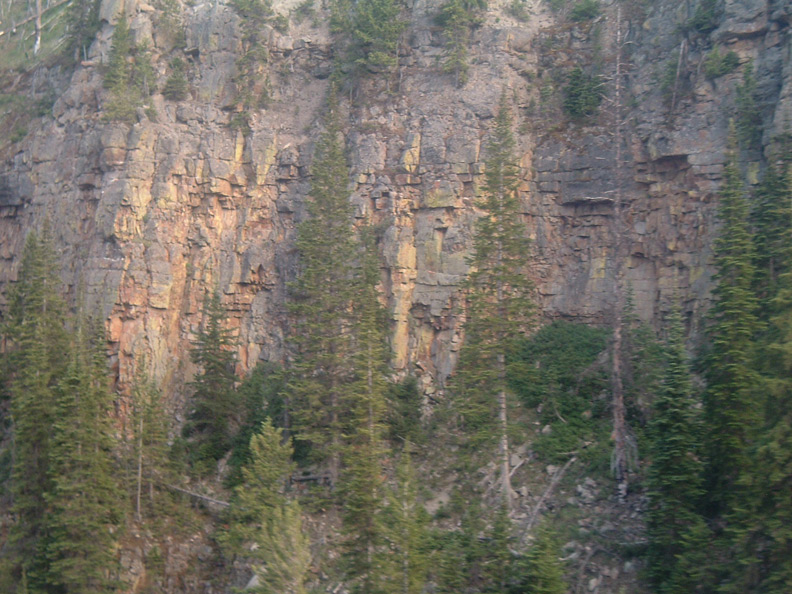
x: 149, y: 216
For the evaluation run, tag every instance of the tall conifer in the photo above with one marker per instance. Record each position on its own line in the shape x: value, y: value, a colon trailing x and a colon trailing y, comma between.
x: 322, y: 298
x: 265, y: 526
x: 498, y: 293
x: 545, y: 573
x: 731, y: 401
x: 677, y: 532
x: 405, y: 532
x: 214, y: 402
x: 83, y: 505
x: 38, y: 343
x: 760, y: 523
x: 362, y: 477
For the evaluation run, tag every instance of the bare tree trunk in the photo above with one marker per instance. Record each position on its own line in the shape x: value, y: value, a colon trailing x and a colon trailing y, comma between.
x: 506, y: 488
x: 619, y: 457
x: 37, y: 44
x: 139, y: 470
x: 335, y: 442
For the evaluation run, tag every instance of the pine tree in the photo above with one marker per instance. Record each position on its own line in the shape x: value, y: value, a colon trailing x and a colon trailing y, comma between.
x: 677, y: 532
x: 759, y: 523
x: 545, y: 573
x: 771, y: 216
x: 405, y: 532
x: 214, y: 402
x: 731, y: 402
x: 150, y: 450
x: 129, y: 74
x: 323, y: 295
x: 264, y: 525
x: 84, y: 23
x: 36, y: 360
x: 499, y: 306
x: 376, y: 28
x: 83, y: 512
x: 458, y: 19
x: 362, y: 477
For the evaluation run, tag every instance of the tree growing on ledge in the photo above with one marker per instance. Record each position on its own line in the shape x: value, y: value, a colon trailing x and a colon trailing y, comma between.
x: 498, y: 295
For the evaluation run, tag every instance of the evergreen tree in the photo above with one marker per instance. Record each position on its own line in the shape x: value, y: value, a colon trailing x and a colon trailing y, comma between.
x: 499, y: 306
x: 458, y: 19
x: 150, y: 434
x: 83, y: 514
x: 362, y: 478
x: 129, y: 74
x: 405, y: 532
x: 84, y: 23
x: 771, y: 216
x: 376, y: 28
x: 731, y: 402
x: 214, y: 402
x: 36, y: 361
x: 264, y: 525
x: 545, y: 573
x: 677, y: 532
x: 323, y: 295
x: 748, y: 116
x: 759, y: 523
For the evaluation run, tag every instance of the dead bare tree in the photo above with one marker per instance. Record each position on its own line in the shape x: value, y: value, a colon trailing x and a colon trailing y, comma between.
x: 623, y: 455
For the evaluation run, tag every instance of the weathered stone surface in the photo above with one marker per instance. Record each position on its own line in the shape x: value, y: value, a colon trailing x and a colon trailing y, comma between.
x: 147, y: 216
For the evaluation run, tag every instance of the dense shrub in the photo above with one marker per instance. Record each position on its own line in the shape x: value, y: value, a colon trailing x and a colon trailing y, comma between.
x: 584, y: 10
x: 717, y: 64
x: 582, y: 95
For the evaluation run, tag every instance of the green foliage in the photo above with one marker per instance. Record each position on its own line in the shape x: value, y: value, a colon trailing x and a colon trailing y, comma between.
x: 643, y: 362
x: 362, y: 481
x: 557, y: 370
x: 264, y: 526
x: 673, y: 80
x: 771, y: 215
x: 36, y: 362
x: 748, y: 117
x: 322, y: 295
x: 677, y: 532
x: 404, y: 411
x: 176, y: 88
x: 305, y: 10
x: 519, y: 10
x: 545, y: 572
x: 458, y: 18
x: 83, y: 511
x: 731, y: 402
x: 405, y: 521
x: 499, y: 307
x: 84, y: 24
x: 372, y: 29
x: 251, y: 80
x: 129, y: 75
x: 582, y: 94
x: 717, y: 64
x: 150, y: 457
x: 585, y: 10
x: 214, y: 400
x: 706, y: 18
x: 759, y: 524
x: 260, y: 397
